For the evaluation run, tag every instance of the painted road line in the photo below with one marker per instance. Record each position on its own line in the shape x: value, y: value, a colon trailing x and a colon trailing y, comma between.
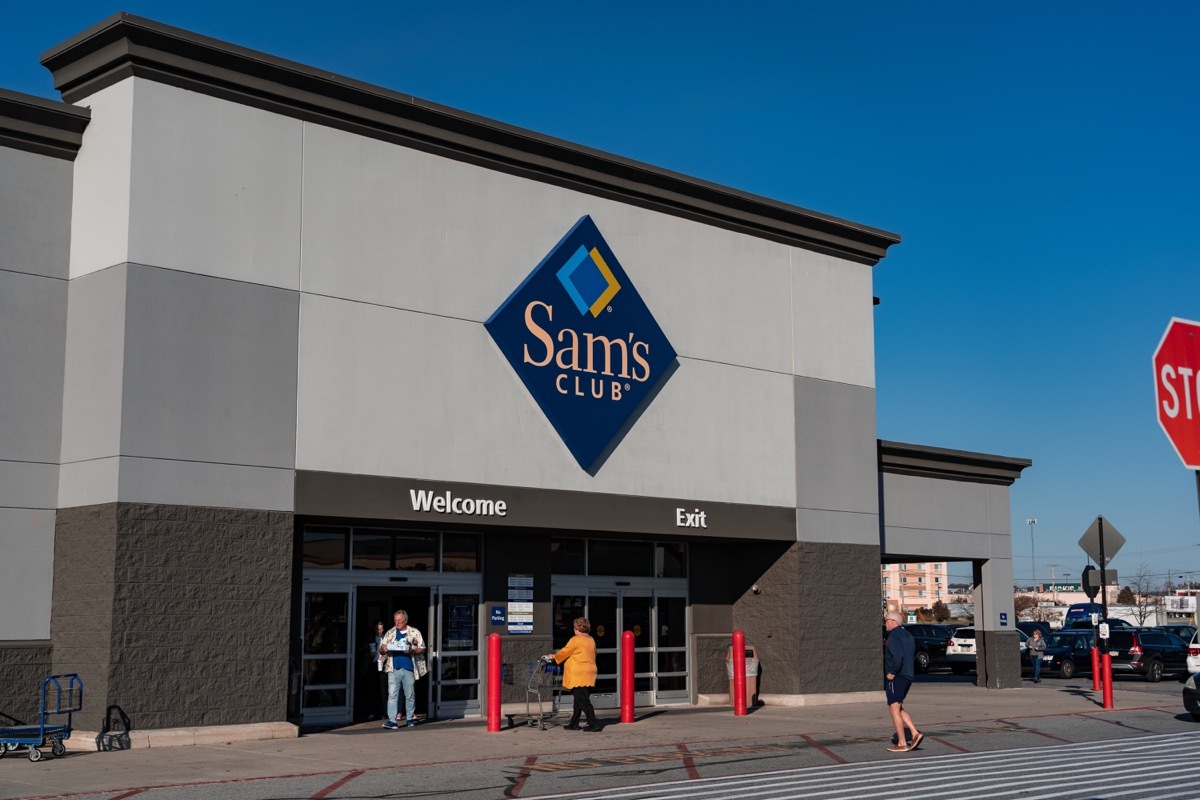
x: 331, y: 788
x: 1087, y: 767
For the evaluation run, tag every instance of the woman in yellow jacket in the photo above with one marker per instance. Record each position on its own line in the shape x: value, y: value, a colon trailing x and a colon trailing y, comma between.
x: 579, y: 674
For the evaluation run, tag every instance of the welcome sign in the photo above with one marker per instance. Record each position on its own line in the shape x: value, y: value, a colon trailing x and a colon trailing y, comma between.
x: 583, y: 342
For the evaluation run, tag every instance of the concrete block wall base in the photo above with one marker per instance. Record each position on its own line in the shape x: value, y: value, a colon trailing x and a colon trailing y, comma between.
x: 177, y: 737
x: 796, y: 700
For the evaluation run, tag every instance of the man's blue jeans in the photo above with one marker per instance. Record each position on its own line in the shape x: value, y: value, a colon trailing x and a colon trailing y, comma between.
x: 401, y: 678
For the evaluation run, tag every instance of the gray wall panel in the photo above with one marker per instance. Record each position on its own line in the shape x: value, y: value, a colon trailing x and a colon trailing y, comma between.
x: 917, y: 502
x: 95, y: 356
x: 944, y: 519
x: 33, y: 316
x: 210, y: 372
x: 836, y: 461
x: 195, y: 483
x: 26, y: 572
x: 35, y: 214
x: 27, y: 485
x: 837, y: 527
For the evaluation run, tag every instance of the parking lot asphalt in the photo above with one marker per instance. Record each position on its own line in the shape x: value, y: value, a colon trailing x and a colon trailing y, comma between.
x: 460, y: 757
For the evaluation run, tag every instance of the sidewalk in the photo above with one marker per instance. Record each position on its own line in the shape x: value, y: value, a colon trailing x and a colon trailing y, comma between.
x: 368, y: 746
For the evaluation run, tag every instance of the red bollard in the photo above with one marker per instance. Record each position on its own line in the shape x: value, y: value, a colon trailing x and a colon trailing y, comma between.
x: 1108, y: 687
x: 493, y: 684
x: 739, y: 674
x: 1096, y: 682
x: 627, y: 676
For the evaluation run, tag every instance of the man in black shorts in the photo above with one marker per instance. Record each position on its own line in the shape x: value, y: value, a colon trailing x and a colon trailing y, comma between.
x: 898, y: 673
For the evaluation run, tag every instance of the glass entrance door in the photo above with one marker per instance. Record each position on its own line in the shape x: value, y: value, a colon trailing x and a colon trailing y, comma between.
x: 325, y: 692
x: 658, y: 624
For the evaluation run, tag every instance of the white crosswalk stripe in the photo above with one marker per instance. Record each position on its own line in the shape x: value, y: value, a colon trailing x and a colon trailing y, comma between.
x: 1156, y: 767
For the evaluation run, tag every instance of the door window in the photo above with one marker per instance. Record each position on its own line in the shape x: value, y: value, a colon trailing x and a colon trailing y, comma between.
x: 326, y: 666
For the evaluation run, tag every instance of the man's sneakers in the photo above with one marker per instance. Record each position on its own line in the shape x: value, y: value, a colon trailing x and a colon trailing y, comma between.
x: 412, y: 723
x: 391, y: 725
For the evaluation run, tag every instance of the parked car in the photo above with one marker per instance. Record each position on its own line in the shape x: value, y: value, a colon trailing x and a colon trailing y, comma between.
x: 1029, y: 627
x: 1191, y: 697
x: 1086, y: 624
x: 931, y: 641
x: 1180, y: 629
x: 1067, y: 653
x: 961, y: 651
x: 1193, y: 658
x: 1147, y: 652
x: 1081, y: 612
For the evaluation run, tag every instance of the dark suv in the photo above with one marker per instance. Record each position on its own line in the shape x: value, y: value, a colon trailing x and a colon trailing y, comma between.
x: 1146, y: 652
x: 931, y: 643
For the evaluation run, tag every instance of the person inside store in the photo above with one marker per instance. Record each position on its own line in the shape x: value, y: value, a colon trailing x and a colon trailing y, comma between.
x: 404, y: 649
x: 578, y: 658
x: 376, y: 669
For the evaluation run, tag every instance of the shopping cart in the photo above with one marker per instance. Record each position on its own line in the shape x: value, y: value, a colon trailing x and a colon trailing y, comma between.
x: 61, y: 694
x: 541, y: 693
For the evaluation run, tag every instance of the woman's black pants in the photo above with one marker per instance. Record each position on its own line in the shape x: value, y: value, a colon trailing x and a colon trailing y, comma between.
x: 583, y: 705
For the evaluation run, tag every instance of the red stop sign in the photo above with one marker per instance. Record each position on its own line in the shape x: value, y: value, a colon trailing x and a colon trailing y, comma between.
x: 1177, y: 388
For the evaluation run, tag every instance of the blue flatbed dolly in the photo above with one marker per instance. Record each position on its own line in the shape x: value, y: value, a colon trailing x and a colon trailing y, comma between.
x: 61, y: 695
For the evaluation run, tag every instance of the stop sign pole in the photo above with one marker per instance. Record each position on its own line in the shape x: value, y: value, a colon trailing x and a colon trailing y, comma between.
x: 1177, y: 390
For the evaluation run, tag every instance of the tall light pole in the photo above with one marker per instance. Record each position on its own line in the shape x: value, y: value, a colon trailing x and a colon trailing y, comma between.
x: 1032, y: 569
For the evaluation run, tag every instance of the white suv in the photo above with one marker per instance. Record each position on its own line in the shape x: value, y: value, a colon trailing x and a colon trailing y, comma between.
x: 1193, y: 656
x: 960, y: 652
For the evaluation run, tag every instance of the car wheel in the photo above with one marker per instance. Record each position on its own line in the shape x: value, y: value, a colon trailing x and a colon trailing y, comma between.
x: 1067, y: 670
x: 922, y: 662
x: 1154, y: 672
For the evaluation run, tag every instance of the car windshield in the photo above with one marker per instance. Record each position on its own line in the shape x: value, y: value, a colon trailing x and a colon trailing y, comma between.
x: 1060, y: 640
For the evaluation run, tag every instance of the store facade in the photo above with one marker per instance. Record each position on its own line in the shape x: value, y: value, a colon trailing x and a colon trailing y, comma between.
x: 299, y: 351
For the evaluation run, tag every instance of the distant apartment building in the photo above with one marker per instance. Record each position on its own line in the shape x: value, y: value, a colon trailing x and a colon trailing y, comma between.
x: 909, y: 586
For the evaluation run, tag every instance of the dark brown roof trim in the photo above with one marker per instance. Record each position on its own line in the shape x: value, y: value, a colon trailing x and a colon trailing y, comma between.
x: 42, y: 126
x: 124, y: 45
x: 896, y: 458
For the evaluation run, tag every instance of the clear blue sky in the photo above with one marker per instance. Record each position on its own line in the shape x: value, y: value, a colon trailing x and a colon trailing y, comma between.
x: 1039, y: 159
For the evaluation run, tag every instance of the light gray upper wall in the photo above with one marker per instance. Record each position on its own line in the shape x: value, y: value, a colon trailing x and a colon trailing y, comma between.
x: 100, y: 202
x: 411, y: 252
x: 211, y: 187
x: 938, y: 519
x: 398, y: 393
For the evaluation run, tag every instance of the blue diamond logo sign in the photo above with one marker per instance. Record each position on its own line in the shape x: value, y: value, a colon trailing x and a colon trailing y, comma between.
x: 584, y: 344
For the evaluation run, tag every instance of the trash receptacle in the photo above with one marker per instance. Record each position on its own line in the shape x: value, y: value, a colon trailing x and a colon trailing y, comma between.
x: 751, y: 674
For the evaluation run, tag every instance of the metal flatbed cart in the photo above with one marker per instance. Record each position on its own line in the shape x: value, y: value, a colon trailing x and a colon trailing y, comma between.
x: 62, y: 695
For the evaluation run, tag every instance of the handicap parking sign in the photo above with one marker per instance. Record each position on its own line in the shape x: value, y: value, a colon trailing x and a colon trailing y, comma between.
x: 1003, y: 620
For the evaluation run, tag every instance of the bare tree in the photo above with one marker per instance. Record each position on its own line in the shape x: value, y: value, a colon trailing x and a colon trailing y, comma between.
x: 1024, y: 605
x: 1146, y: 595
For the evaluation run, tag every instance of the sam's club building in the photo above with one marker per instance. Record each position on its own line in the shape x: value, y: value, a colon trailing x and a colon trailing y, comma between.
x: 284, y: 352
